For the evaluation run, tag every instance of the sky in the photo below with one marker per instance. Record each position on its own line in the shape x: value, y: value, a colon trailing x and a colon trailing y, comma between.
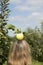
x: 25, y: 13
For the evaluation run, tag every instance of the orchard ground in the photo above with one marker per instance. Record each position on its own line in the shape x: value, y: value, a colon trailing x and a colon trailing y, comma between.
x: 37, y: 63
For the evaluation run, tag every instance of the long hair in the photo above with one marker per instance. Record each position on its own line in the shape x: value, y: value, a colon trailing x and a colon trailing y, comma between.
x: 20, y: 54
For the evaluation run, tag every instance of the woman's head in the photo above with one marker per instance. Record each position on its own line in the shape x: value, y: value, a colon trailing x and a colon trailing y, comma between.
x: 19, y: 53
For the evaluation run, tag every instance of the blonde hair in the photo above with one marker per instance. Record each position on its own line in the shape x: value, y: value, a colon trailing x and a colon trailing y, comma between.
x: 20, y: 54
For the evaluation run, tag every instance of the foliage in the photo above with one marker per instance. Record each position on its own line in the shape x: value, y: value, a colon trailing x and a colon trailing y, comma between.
x: 16, y: 30
x: 4, y: 43
x: 35, y: 39
x: 34, y: 62
x: 42, y: 27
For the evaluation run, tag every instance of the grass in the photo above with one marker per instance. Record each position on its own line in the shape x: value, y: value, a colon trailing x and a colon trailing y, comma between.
x: 37, y: 63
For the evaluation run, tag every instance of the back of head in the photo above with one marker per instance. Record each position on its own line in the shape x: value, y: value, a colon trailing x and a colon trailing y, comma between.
x: 20, y: 54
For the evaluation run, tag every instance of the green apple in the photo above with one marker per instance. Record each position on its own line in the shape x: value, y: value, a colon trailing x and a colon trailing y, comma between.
x: 19, y: 36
